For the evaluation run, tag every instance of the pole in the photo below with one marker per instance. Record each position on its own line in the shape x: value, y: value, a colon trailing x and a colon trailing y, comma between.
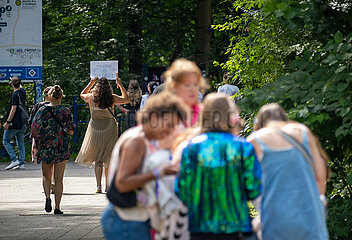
x: 38, y: 90
x: 75, y: 121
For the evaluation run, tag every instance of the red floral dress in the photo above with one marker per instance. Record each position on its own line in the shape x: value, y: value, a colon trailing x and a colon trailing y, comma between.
x: 52, y: 140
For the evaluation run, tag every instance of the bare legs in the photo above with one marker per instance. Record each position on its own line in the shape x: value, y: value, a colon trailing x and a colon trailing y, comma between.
x: 106, y: 171
x: 47, y: 170
x: 98, y: 175
x: 58, y: 169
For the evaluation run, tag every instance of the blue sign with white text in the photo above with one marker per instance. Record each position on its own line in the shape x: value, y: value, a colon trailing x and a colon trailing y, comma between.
x: 24, y: 73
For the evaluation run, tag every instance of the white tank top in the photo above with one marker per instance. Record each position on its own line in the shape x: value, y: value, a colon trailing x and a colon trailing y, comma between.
x: 138, y: 213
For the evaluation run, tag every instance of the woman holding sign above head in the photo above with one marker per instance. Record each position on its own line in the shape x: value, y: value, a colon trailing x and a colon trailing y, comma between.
x: 102, y: 131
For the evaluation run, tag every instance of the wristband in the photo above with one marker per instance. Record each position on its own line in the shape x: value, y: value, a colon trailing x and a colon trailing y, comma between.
x: 155, y: 144
x: 156, y: 173
x: 8, y: 122
x: 323, y: 198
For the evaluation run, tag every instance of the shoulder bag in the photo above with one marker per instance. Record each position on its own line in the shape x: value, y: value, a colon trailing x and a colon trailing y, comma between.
x: 122, y: 200
x: 23, y: 112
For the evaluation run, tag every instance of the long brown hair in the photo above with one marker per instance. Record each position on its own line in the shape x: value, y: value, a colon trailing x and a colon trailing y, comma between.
x: 102, y: 93
x: 134, y: 92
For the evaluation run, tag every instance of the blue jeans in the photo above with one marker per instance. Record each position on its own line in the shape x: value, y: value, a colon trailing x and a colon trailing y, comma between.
x: 19, y: 135
x: 116, y: 228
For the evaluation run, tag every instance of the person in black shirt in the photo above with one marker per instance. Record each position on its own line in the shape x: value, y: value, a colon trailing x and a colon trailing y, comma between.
x: 13, y: 125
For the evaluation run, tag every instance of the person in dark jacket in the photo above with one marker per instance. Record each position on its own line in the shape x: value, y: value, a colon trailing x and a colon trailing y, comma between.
x: 13, y: 125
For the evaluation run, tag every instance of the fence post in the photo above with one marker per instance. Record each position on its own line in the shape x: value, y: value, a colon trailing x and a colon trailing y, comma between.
x: 75, y: 121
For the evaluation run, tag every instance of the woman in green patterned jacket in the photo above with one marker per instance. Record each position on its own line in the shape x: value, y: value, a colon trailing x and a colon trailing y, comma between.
x: 219, y: 174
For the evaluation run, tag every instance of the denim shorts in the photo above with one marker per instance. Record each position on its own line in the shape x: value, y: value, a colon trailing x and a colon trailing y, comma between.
x: 115, y: 228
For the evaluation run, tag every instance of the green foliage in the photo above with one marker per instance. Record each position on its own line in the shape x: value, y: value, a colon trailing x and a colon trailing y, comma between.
x: 307, y: 69
x: 260, y: 48
x: 77, y: 32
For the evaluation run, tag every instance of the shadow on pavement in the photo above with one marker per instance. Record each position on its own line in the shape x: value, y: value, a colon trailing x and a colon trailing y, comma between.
x: 73, y: 194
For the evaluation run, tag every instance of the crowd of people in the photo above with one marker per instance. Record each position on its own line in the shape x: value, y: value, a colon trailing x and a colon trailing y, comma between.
x: 181, y: 170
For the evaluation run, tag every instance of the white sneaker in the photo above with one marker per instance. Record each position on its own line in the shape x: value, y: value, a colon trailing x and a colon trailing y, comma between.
x: 19, y: 167
x: 12, y: 165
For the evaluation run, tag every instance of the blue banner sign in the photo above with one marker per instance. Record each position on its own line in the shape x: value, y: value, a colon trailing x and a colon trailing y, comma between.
x: 25, y: 73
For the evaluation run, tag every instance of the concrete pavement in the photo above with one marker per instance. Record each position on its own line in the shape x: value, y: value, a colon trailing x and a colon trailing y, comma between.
x: 22, y: 214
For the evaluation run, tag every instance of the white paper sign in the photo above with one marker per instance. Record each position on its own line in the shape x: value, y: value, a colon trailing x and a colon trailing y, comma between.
x: 106, y: 69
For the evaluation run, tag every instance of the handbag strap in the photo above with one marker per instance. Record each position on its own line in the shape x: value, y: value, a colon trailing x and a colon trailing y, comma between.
x: 112, y: 114
x: 19, y: 99
x: 298, y: 146
x: 55, y: 118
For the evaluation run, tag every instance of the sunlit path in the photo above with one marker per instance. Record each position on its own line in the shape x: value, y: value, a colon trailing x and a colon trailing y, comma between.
x: 22, y: 214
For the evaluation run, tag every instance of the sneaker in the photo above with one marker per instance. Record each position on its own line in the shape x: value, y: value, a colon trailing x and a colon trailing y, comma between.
x: 21, y: 167
x: 12, y: 165
x: 58, y: 211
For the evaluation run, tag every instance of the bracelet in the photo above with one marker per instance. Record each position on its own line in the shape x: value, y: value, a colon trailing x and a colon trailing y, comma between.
x: 8, y: 121
x: 155, y: 144
x: 156, y: 173
x: 323, y: 198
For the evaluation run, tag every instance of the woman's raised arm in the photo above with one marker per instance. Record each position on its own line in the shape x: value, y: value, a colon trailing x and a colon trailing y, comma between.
x: 123, y: 99
x: 85, y: 95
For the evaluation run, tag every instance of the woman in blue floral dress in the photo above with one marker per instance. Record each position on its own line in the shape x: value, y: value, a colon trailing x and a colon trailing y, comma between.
x: 50, y: 128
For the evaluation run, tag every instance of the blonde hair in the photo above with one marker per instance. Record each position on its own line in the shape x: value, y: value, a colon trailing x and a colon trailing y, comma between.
x: 178, y: 69
x: 56, y: 92
x: 219, y: 114
x: 134, y: 92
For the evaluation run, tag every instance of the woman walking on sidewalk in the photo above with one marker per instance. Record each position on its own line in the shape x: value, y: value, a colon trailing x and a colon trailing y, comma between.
x: 102, y: 131
x: 50, y: 128
x: 35, y: 109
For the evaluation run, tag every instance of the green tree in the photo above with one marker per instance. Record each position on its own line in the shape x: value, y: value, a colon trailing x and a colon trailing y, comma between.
x: 303, y: 51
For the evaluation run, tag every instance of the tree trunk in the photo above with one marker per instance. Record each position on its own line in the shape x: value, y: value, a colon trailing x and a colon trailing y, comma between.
x: 202, y: 37
x: 135, y: 55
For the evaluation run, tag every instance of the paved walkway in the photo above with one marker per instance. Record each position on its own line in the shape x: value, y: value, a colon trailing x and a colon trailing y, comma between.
x: 22, y: 200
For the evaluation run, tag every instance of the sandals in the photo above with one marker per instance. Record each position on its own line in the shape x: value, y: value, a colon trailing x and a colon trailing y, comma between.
x: 48, y: 207
x: 99, y: 190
